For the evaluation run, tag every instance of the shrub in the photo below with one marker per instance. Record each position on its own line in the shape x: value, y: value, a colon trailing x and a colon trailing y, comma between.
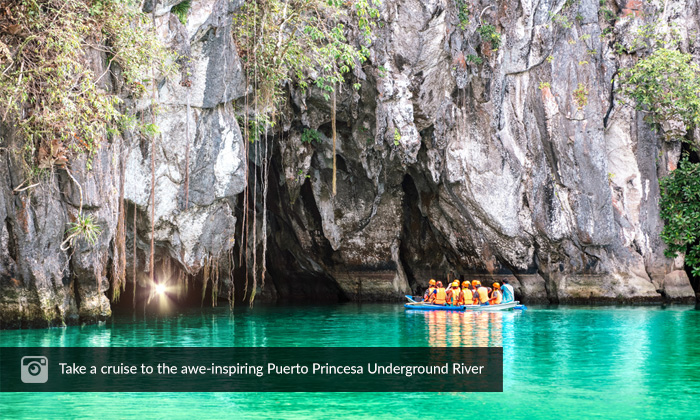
x: 680, y: 209
x: 180, y: 10
x: 667, y: 83
x: 310, y: 135
x: 462, y: 13
x: 84, y: 227
x: 47, y: 88
x: 475, y: 59
x: 489, y: 34
x: 581, y: 95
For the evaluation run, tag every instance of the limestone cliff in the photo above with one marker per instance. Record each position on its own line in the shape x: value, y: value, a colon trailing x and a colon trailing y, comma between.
x: 453, y: 157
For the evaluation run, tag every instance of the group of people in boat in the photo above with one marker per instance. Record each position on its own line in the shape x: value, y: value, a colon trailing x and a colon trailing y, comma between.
x: 470, y: 293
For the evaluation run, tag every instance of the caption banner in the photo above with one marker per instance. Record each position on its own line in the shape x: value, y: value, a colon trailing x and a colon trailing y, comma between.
x: 251, y: 369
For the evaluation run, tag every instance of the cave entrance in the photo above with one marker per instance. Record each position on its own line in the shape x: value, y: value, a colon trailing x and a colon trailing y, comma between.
x: 171, y: 297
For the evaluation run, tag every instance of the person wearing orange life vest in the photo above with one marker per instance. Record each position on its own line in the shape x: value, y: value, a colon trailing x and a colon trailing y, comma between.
x: 467, y: 297
x: 454, y: 294
x: 429, y: 291
x: 482, y: 295
x: 496, y: 297
x: 472, y: 287
x: 475, y: 287
x: 439, y: 296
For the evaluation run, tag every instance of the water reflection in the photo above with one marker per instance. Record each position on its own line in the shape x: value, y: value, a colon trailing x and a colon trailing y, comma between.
x: 468, y: 329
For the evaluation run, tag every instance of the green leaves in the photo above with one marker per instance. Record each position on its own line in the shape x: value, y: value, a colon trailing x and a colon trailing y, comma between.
x: 180, y: 10
x: 489, y: 34
x: 667, y: 83
x: 84, y: 227
x: 680, y: 209
x: 462, y: 13
x: 301, y: 42
x: 310, y: 135
x: 53, y: 95
x: 581, y: 96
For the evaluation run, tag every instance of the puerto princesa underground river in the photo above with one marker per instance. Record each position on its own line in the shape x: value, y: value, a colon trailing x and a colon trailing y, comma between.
x: 559, y: 362
x: 432, y: 176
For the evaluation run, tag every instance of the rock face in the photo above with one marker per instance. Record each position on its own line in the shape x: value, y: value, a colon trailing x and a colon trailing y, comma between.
x: 194, y: 231
x: 42, y: 285
x: 515, y: 162
x: 456, y: 157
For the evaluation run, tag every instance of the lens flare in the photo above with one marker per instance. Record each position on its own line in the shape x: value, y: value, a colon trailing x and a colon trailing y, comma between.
x: 160, y: 289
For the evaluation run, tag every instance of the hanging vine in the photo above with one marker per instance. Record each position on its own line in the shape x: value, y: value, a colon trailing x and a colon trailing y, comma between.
x: 297, y: 42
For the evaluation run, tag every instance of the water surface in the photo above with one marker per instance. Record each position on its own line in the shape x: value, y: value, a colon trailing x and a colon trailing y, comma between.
x: 559, y: 362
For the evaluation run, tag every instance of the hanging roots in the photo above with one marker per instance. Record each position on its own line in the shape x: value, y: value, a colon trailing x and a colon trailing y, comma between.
x: 205, y: 277
x: 214, y: 281
x: 119, y: 248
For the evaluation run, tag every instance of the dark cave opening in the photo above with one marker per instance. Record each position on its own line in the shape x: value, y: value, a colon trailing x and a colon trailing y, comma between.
x: 295, y: 273
x: 174, y: 297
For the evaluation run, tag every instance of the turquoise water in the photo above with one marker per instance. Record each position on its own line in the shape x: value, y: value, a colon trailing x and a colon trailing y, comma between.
x: 563, y: 362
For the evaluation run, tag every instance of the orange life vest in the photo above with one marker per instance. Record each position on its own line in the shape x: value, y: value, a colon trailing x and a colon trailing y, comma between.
x: 440, y: 296
x: 496, y: 298
x: 467, y: 297
x: 454, y: 296
x: 482, y: 294
x: 428, y: 293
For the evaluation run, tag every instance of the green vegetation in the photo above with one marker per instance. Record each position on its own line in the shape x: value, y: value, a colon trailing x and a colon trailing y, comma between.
x: 180, y: 10
x: 475, y: 59
x: 302, y: 42
x: 397, y: 136
x: 680, y: 209
x: 667, y: 84
x: 310, y: 135
x: 608, y: 14
x: 544, y: 85
x: 489, y: 34
x: 48, y: 90
x: 85, y: 227
x: 561, y: 20
x: 462, y: 13
x: 581, y: 96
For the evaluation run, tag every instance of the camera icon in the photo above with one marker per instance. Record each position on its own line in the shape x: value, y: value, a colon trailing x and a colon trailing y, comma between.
x: 35, y: 369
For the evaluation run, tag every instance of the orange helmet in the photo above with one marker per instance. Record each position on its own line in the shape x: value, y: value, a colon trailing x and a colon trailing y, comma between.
x: 439, y: 284
x: 465, y: 283
x: 431, y: 282
x: 496, y: 285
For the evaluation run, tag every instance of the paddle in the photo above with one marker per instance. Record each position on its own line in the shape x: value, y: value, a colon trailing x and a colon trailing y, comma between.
x: 410, y: 299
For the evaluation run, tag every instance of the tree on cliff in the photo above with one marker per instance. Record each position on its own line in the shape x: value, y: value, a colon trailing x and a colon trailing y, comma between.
x: 666, y: 84
x: 680, y: 208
